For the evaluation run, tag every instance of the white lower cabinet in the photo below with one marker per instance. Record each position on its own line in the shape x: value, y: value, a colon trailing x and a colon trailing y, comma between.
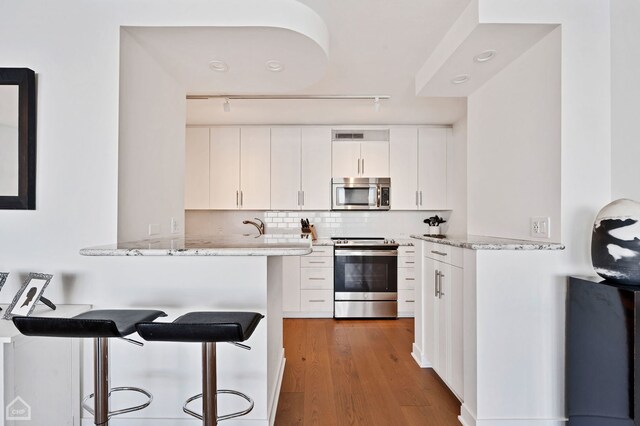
x: 443, y: 287
x: 308, y: 285
x: 406, y: 281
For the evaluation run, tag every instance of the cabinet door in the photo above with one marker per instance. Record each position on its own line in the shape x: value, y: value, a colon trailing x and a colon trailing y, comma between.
x: 316, y: 168
x: 432, y: 168
x: 196, y: 173
x: 456, y: 378
x: 291, y: 284
x: 429, y: 313
x: 442, y: 323
x: 345, y: 159
x: 375, y: 159
x: 255, y: 168
x: 285, y: 168
x: 403, y: 168
x: 224, y: 171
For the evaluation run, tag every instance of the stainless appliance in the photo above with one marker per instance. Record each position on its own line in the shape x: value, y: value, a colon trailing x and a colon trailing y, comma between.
x: 360, y: 193
x: 365, y: 278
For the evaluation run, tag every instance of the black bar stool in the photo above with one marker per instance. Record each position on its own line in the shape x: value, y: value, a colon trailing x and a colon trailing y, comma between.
x: 207, y: 328
x: 101, y: 325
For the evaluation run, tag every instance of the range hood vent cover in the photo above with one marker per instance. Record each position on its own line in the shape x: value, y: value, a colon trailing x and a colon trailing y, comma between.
x: 359, y: 135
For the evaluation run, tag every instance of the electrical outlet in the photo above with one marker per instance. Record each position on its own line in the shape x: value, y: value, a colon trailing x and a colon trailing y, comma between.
x: 541, y: 227
x: 174, y: 226
x: 154, y: 229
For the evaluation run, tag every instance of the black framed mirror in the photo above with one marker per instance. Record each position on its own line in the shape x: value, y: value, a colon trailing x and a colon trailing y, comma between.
x: 17, y: 139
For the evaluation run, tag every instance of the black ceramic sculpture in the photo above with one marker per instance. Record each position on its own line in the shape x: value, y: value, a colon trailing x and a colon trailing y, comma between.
x: 615, y: 244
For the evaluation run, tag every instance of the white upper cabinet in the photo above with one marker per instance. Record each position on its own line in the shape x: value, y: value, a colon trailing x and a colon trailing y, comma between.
x: 432, y: 168
x: 316, y: 168
x: 345, y: 159
x: 403, y: 168
x: 374, y: 157
x: 285, y: 168
x: 196, y: 175
x: 224, y: 160
x: 301, y: 168
x: 255, y: 168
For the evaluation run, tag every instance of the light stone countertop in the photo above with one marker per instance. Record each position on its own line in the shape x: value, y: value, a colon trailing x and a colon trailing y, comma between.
x: 476, y: 242
x: 227, y: 245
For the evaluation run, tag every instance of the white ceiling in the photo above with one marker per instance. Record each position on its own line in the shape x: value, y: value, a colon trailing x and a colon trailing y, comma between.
x: 375, y: 47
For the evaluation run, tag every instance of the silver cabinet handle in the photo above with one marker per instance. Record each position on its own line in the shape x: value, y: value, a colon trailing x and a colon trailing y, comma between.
x: 420, y: 197
x: 441, y: 292
x: 316, y: 300
x: 417, y: 203
x: 437, y: 274
x: 321, y: 262
x: 241, y: 198
x: 410, y: 279
x: 237, y: 202
x: 358, y: 167
x: 316, y: 279
x: 409, y: 300
x: 363, y: 166
x: 302, y: 197
x: 409, y: 262
x: 439, y: 253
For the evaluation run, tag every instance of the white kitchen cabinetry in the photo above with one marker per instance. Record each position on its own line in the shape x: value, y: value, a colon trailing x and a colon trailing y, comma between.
x: 300, y: 168
x: 309, y: 289
x: 443, y: 287
x: 196, y: 176
x: 239, y: 168
x: 432, y: 168
x: 418, y: 168
x: 406, y: 281
x: 360, y: 159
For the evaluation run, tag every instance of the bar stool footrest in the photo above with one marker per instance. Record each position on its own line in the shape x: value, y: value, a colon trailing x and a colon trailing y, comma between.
x: 226, y: 416
x: 124, y: 410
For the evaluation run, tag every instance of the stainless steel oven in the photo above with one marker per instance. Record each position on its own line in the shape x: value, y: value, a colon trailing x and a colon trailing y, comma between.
x: 365, y: 278
x: 360, y: 194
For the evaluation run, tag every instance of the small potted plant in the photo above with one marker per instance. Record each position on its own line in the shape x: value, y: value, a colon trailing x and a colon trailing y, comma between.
x: 434, y: 224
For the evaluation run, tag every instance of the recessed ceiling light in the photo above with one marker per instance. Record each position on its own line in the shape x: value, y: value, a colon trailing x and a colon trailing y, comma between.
x: 462, y: 78
x: 485, y: 56
x: 219, y: 66
x: 274, y: 66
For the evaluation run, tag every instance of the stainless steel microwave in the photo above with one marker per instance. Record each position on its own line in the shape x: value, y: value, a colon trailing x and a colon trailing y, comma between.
x: 360, y: 194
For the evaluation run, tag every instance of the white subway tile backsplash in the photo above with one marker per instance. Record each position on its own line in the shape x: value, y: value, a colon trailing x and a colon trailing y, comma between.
x: 277, y: 220
x: 294, y: 214
x: 281, y: 214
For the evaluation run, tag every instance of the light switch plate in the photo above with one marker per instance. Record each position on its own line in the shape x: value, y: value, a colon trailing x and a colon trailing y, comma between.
x: 541, y: 227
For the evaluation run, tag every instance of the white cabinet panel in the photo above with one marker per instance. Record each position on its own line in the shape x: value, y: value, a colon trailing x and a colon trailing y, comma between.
x: 196, y: 173
x: 224, y: 171
x: 291, y: 283
x: 403, y: 168
x: 316, y: 301
x: 285, y: 168
x: 316, y: 262
x: 255, y: 168
x: 406, y: 278
x: 345, y: 159
x: 406, y: 301
x: 375, y: 159
x: 406, y: 251
x: 456, y: 372
x: 432, y: 168
x: 316, y: 168
x: 321, y: 251
x: 406, y: 261
x: 316, y: 278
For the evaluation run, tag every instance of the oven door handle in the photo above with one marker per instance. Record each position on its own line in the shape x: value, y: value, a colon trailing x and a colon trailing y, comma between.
x: 366, y: 252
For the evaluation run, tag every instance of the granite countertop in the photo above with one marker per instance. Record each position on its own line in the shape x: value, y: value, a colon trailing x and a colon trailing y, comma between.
x: 476, y: 242
x: 227, y: 245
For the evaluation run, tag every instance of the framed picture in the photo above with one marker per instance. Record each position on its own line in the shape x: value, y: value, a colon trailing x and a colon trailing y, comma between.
x: 29, y: 294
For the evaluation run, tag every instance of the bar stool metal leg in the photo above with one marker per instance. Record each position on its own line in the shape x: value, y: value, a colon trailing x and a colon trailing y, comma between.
x: 209, y: 385
x: 101, y: 380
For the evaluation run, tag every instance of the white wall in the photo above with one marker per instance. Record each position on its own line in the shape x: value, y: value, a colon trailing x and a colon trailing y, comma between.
x: 514, y: 145
x: 625, y: 98
x: 457, y: 178
x: 151, y: 144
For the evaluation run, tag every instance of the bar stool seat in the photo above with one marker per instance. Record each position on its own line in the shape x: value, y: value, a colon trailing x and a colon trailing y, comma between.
x: 101, y: 325
x: 207, y: 328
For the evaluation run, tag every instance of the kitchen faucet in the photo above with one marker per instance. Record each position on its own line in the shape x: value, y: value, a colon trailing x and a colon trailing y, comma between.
x: 259, y: 227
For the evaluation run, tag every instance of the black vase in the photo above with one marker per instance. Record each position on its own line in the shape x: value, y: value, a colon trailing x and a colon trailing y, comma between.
x: 615, y: 244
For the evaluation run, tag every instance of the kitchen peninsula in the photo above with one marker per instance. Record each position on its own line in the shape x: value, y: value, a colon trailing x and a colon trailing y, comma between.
x: 238, y: 273
x: 489, y: 322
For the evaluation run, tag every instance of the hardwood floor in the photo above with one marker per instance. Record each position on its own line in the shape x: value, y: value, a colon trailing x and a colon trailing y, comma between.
x: 359, y: 372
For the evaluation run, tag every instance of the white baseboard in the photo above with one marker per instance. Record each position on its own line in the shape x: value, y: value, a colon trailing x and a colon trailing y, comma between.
x: 406, y: 315
x: 276, y: 395
x: 467, y: 418
x: 419, y: 357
